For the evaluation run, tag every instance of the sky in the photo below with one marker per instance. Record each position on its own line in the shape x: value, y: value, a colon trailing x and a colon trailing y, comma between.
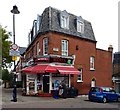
x: 103, y: 15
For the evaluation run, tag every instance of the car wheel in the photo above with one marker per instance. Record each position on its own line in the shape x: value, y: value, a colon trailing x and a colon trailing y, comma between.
x: 118, y: 99
x: 104, y: 100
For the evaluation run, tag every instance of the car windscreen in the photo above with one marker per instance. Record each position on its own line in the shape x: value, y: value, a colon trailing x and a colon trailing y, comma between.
x: 106, y: 89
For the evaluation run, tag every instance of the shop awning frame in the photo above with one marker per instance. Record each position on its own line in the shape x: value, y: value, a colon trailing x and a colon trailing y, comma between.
x: 40, y: 68
x: 67, y: 70
x: 47, y: 68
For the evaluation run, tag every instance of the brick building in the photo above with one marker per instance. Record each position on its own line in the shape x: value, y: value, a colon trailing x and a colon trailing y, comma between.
x: 66, y: 43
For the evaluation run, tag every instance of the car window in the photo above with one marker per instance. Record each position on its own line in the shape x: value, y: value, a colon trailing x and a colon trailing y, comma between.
x: 95, y: 89
x: 112, y: 90
x: 105, y: 89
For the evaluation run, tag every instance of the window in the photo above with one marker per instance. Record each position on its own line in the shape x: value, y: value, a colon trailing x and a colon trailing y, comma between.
x: 38, y: 22
x: 64, y: 47
x: 92, y: 59
x: 45, y: 46
x: 80, y: 76
x: 64, y: 22
x: 37, y: 48
x: 34, y: 28
x: 80, y: 26
x: 64, y: 19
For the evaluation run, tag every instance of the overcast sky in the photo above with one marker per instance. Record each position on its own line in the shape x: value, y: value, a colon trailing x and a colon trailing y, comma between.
x: 103, y: 15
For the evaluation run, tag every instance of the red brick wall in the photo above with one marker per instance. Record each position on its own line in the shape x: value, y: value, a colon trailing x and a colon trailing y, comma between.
x: 103, y: 60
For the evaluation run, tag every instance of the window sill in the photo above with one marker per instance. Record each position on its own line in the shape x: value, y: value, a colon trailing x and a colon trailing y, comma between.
x: 79, y: 81
x: 92, y: 69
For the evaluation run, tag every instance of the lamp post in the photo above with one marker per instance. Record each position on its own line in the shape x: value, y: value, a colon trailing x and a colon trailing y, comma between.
x: 14, y: 11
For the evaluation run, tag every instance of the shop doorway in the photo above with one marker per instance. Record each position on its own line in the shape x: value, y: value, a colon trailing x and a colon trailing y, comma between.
x: 46, y: 84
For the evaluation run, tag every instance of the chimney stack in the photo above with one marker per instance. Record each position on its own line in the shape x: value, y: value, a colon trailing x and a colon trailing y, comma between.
x: 110, y: 48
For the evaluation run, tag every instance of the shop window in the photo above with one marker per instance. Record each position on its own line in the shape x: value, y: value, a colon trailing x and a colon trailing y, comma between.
x: 64, y: 47
x: 92, y: 63
x: 45, y: 46
x: 80, y: 76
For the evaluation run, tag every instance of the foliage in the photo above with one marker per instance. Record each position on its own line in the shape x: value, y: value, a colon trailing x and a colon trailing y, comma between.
x: 5, y: 45
x: 6, y: 76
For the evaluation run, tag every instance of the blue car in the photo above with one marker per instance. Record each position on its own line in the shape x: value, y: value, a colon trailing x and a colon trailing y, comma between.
x: 103, y: 94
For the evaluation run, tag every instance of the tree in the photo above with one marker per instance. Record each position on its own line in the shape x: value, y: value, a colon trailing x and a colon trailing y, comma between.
x: 7, y: 77
x: 5, y: 46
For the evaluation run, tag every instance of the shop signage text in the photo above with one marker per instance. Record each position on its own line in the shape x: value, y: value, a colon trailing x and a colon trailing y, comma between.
x: 54, y: 59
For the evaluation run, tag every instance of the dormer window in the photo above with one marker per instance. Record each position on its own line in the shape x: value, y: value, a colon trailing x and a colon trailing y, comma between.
x: 64, y: 20
x: 80, y: 24
x: 80, y: 27
x: 38, y: 22
x: 34, y: 27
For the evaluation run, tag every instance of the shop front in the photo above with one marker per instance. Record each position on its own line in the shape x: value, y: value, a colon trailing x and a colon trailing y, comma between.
x: 41, y: 78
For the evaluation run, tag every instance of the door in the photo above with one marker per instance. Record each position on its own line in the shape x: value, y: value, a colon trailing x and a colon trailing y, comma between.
x: 46, y: 84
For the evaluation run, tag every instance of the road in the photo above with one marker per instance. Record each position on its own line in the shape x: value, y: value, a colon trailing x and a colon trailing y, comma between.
x: 49, y: 102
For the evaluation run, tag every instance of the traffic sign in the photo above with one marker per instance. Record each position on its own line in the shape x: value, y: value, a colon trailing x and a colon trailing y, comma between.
x: 14, y: 53
x: 14, y: 58
x: 14, y: 46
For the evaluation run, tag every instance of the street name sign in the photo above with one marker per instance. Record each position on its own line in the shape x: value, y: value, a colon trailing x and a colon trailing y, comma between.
x: 14, y: 53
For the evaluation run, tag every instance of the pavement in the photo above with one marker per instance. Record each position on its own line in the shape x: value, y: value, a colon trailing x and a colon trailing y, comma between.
x: 7, y: 96
x: 49, y: 102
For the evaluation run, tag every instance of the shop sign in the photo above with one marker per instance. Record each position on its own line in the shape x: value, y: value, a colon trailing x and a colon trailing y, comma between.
x: 62, y: 60
x: 54, y: 59
x: 42, y: 60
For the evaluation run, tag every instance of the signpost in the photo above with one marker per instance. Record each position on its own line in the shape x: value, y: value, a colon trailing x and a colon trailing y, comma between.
x: 14, y: 47
x: 14, y: 53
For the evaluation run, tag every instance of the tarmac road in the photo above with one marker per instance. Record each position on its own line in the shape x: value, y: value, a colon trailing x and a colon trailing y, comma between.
x: 49, y: 102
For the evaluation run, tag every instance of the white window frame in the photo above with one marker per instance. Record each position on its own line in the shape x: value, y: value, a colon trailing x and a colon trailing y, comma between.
x: 92, y: 63
x: 80, y: 79
x: 38, y: 22
x: 64, y: 47
x: 45, y: 46
x: 65, y: 22
x: 34, y: 28
x: 80, y: 26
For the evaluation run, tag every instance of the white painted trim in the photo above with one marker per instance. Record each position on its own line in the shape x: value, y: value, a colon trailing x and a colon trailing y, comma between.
x: 50, y: 83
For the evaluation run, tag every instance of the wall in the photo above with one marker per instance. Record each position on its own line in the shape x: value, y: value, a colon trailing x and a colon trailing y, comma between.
x: 85, y: 49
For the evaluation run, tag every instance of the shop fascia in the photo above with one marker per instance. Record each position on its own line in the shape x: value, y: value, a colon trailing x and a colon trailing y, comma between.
x: 69, y: 60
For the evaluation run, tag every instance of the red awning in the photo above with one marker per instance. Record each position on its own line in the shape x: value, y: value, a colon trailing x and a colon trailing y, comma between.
x: 42, y: 68
x: 39, y: 69
x: 67, y: 70
x: 27, y: 69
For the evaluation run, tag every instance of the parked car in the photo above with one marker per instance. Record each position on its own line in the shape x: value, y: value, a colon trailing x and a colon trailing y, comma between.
x: 103, y: 94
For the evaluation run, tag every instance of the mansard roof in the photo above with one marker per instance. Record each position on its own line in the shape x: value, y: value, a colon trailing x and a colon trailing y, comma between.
x: 50, y: 21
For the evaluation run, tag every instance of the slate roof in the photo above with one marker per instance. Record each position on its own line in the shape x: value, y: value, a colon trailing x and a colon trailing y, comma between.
x: 116, y: 59
x: 22, y: 50
x: 50, y: 21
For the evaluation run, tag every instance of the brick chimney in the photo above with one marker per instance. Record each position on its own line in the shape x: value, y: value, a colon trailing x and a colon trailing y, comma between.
x: 110, y: 48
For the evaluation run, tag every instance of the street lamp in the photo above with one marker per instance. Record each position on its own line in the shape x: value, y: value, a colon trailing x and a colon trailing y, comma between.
x: 14, y: 11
